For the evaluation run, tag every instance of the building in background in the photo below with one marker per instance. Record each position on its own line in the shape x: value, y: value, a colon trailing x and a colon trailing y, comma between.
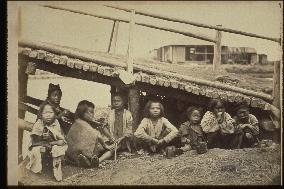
x: 205, y: 54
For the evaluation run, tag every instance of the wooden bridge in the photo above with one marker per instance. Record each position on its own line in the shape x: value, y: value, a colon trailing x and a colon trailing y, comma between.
x: 105, y: 68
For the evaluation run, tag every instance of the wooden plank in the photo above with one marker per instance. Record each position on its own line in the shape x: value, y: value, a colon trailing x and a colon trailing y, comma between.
x: 117, y: 63
x: 276, y: 85
x: 113, y: 38
x: 185, y: 33
x: 74, y: 73
x: 217, y: 51
x: 134, y: 106
x: 179, y: 20
x: 130, y: 42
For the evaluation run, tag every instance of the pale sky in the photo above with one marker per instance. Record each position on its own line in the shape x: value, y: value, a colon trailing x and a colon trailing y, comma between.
x: 89, y: 33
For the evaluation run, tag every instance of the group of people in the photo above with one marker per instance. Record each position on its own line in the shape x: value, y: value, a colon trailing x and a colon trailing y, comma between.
x: 88, y: 142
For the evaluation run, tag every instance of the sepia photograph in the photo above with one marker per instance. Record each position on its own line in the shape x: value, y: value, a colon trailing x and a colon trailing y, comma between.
x: 145, y: 93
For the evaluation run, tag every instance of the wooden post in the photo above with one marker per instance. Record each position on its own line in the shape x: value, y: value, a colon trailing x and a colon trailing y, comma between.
x: 134, y: 106
x: 217, y: 50
x: 113, y: 38
x: 130, y: 43
x: 276, y: 85
x: 133, y: 93
x: 22, y: 92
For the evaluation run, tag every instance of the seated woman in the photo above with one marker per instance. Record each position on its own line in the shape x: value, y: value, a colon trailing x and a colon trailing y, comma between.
x: 155, y: 131
x: 248, y: 123
x: 47, y: 137
x: 219, y: 127
x: 86, y: 143
x: 53, y: 98
x: 190, y: 131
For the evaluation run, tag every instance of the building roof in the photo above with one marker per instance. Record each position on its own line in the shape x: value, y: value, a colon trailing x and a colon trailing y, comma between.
x: 199, y: 81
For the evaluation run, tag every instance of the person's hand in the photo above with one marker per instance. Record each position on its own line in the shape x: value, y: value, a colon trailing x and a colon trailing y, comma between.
x: 249, y: 136
x: 220, y: 117
x: 161, y: 142
x: 155, y: 141
x: 65, y: 112
x: 109, y: 147
x: 47, y: 145
x: 45, y: 136
x: 127, y: 135
x: 187, y: 141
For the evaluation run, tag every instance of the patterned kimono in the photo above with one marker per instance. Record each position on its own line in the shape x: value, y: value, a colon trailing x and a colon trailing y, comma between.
x: 34, y: 153
x: 219, y: 134
x: 162, y: 130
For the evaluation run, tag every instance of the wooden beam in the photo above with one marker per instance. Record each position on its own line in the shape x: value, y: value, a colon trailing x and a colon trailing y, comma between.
x: 118, y: 63
x: 217, y: 51
x: 276, y: 85
x: 113, y: 38
x: 202, y: 37
x: 145, y: 13
x: 65, y: 71
x: 134, y: 106
x: 130, y: 43
x: 22, y: 93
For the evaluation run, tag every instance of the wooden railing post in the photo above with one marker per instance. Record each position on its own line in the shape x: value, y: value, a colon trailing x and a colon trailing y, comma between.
x: 217, y: 50
x: 130, y: 43
x: 276, y: 85
x: 113, y: 38
x: 133, y: 94
x: 22, y: 92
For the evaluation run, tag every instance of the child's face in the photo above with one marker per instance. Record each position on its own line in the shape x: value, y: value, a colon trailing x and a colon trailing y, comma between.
x: 89, y: 114
x: 242, y: 113
x: 219, y: 108
x: 117, y: 102
x: 55, y: 97
x: 155, y: 110
x: 195, y: 117
x: 48, y: 115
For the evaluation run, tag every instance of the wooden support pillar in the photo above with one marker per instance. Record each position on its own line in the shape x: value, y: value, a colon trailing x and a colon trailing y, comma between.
x: 130, y: 43
x: 276, y: 85
x: 134, y: 106
x: 113, y: 38
x: 217, y: 50
x: 22, y: 93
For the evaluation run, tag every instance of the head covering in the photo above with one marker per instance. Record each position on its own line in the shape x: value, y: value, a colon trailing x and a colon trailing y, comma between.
x: 52, y: 88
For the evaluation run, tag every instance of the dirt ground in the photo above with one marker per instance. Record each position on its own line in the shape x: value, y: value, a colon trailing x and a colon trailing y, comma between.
x: 217, y: 166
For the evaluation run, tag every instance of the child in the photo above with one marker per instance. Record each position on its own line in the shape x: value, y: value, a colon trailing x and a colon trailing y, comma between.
x: 219, y: 127
x: 47, y: 136
x: 248, y: 123
x: 155, y: 131
x: 120, y: 123
x: 85, y: 144
x: 54, y: 98
x: 190, y: 131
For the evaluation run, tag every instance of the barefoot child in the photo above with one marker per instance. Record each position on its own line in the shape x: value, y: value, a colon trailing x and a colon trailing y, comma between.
x: 248, y: 123
x: 120, y: 124
x: 47, y: 137
x: 155, y: 131
x: 86, y: 146
x: 219, y: 127
x: 190, y: 131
